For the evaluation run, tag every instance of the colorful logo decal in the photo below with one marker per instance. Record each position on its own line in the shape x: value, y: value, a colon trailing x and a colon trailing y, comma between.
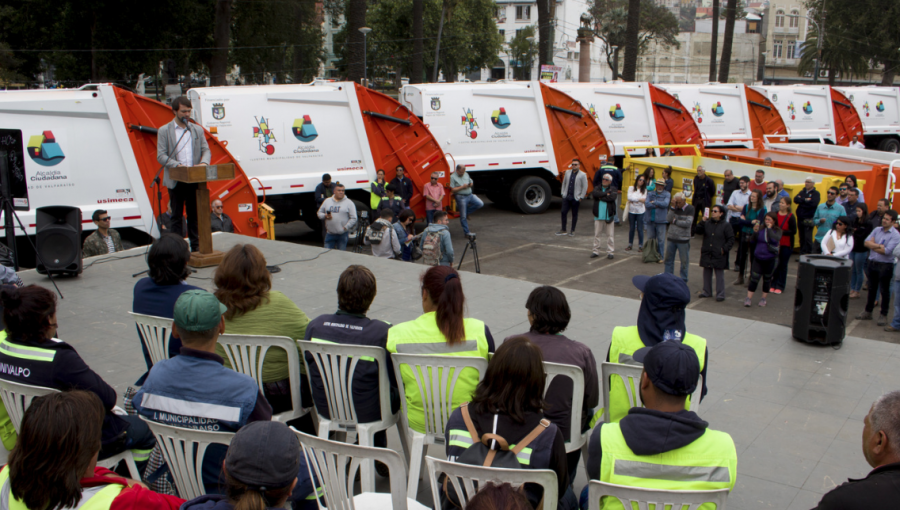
x: 616, y: 113
x: 265, y: 135
x: 851, y: 98
x: 774, y: 98
x: 435, y: 103
x: 468, y: 120
x: 304, y: 130
x: 717, y: 109
x: 593, y: 111
x: 218, y: 111
x: 44, y: 150
x: 807, y: 108
x: 697, y: 111
x: 792, y: 110
x: 499, y: 119
x: 880, y: 106
x: 866, y: 108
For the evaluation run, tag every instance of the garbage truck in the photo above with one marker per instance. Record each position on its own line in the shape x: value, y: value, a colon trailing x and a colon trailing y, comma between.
x: 814, y: 113
x: 879, y: 110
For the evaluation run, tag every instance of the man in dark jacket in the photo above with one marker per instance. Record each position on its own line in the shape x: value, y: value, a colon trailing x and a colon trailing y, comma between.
x: 718, y: 238
x: 390, y: 201
x: 729, y: 186
x: 403, y: 185
x: 704, y: 191
x: 807, y: 202
x: 604, y: 214
x: 881, y: 448
x: 324, y: 190
x: 616, y: 174
x: 875, y: 218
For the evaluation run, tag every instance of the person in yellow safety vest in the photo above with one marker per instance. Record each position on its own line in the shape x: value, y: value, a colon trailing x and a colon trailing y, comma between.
x: 662, y: 446
x: 440, y: 331
x: 54, y: 463
x: 660, y: 319
x: 377, y: 190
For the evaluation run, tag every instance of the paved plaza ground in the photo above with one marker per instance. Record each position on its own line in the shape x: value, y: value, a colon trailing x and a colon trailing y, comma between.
x: 794, y: 410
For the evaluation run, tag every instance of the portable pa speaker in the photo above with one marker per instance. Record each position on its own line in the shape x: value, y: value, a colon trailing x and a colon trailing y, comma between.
x: 58, y: 230
x: 821, y: 299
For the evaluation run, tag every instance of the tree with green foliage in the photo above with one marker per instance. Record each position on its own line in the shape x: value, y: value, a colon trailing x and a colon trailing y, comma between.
x: 522, y: 53
x: 842, y: 52
x: 611, y: 18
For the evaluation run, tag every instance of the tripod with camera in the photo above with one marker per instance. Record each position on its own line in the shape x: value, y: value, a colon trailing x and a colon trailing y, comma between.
x: 470, y: 243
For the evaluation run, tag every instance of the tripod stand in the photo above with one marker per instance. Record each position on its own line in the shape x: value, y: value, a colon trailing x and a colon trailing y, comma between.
x: 361, y: 224
x: 470, y: 243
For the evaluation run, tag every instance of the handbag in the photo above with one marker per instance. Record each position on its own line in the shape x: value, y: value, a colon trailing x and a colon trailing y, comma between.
x: 772, y: 249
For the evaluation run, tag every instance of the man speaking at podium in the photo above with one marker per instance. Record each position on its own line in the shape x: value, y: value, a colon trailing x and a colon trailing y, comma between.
x: 180, y: 143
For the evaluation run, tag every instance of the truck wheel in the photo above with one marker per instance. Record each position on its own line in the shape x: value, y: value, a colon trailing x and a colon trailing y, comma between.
x: 531, y: 195
x: 890, y: 145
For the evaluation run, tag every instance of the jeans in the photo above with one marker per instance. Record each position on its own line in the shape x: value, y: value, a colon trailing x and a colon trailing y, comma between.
x: 429, y: 216
x: 337, y: 241
x: 658, y: 230
x: 467, y: 204
x: 858, y: 274
x: 895, y: 288
x: 683, y: 248
x: 881, y: 275
x: 569, y: 204
x: 636, y: 221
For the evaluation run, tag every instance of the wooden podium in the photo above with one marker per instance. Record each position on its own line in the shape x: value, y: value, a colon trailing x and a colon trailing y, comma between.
x: 201, y: 175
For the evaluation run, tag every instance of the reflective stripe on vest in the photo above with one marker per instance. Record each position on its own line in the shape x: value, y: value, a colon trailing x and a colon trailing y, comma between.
x: 25, y: 351
x: 708, y: 463
x: 625, y: 341
x: 463, y: 439
x: 92, y: 498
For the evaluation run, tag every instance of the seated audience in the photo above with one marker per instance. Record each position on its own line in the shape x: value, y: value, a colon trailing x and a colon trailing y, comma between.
x: 441, y: 331
x: 54, y: 464
x: 549, y: 315
x: 29, y: 344
x: 349, y: 326
x: 660, y: 318
x: 244, y: 285
x: 881, y: 449
x: 193, y: 390
x: 218, y: 220
x: 263, y: 468
x: 104, y: 240
x: 509, y: 403
x: 156, y: 294
x: 661, y: 445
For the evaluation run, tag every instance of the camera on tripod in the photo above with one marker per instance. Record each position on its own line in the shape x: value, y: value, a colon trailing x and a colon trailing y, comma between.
x: 471, y: 236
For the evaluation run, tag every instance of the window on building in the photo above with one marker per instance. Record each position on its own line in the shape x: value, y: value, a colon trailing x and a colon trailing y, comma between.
x: 503, y: 34
x: 523, y: 12
x: 779, y: 18
x: 792, y: 49
x: 795, y: 19
x: 501, y: 12
x: 776, y: 50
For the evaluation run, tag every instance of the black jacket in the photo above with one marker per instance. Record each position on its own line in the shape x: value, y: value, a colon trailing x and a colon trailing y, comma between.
x: 395, y: 205
x: 728, y: 188
x: 789, y: 228
x: 807, y: 209
x: 322, y: 193
x: 607, y: 197
x: 220, y: 225
x: 611, y: 170
x: 879, y: 489
x: 718, y: 238
x: 404, y: 189
x: 704, y: 191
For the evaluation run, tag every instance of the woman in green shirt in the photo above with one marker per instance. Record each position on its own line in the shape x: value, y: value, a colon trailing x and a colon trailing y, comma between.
x: 244, y: 285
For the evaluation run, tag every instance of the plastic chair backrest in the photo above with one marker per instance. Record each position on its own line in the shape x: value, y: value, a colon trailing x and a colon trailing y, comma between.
x: 155, y: 334
x: 436, y: 385
x: 327, y: 462
x: 17, y: 397
x: 184, y: 450
x: 463, y: 478
x: 630, y: 375
x: 642, y: 499
x: 574, y: 373
x: 336, y: 364
x: 246, y: 354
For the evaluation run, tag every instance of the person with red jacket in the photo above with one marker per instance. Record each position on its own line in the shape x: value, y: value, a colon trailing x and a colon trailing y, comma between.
x: 60, y: 437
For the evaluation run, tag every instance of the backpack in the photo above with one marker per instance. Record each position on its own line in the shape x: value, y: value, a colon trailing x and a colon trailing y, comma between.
x: 651, y: 252
x: 431, y: 248
x: 375, y: 233
x: 481, y: 454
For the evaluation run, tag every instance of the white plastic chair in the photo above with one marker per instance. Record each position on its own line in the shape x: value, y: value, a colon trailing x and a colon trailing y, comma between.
x: 17, y: 398
x: 630, y: 375
x: 246, y: 354
x: 327, y: 460
x: 436, y: 387
x: 642, y: 499
x: 155, y: 334
x: 336, y: 365
x: 577, y: 439
x: 471, y: 475
x: 184, y: 450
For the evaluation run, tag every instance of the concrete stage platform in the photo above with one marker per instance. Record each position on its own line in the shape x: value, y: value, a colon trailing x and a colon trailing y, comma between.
x: 795, y: 411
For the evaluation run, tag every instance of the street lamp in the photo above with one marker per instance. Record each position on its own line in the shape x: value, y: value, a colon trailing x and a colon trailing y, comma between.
x: 365, y: 32
x: 615, y: 63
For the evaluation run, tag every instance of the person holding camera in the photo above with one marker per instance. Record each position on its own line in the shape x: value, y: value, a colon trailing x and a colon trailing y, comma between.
x: 766, y: 242
x: 807, y: 202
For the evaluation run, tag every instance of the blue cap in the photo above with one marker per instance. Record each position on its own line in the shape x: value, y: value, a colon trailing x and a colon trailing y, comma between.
x: 671, y: 366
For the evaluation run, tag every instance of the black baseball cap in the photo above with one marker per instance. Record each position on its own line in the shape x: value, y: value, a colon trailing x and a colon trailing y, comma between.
x: 264, y: 455
x: 672, y: 366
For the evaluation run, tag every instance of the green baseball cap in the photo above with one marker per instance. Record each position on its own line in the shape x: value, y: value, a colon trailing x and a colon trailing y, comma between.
x: 198, y: 310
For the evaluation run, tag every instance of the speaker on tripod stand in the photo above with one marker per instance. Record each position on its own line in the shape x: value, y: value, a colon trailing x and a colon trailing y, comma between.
x: 58, y: 230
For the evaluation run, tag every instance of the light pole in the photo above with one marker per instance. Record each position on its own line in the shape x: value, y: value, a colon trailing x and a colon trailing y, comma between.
x: 365, y: 32
x: 615, y: 63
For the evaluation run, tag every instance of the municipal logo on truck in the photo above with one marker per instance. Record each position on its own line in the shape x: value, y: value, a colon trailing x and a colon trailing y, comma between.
x: 469, y: 121
x: 880, y: 106
x: 792, y: 110
x: 218, y: 111
x: 263, y: 132
x: 499, y: 119
x: 865, y: 107
x: 44, y: 150
x: 807, y: 108
x: 717, y: 109
x: 435, y: 103
x: 697, y: 110
x: 616, y: 113
x: 304, y: 130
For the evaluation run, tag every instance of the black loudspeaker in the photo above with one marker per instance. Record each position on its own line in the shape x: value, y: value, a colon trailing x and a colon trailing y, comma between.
x: 821, y: 299
x: 58, y: 230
